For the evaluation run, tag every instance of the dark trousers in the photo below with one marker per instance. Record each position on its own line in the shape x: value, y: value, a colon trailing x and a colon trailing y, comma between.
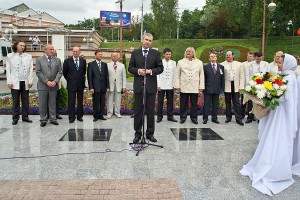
x: 16, y: 94
x: 98, y: 104
x: 71, y: 104
x: 160, y: 96
x: 249, y: 106
x: 213, y: 100
x: 235, y: 98
x: 184, y: 98
x: 138, y: 113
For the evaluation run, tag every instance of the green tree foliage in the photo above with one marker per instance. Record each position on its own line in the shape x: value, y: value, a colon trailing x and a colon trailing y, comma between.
x: 189, y: 26
x: 63, y: 101
x: 165, y: 17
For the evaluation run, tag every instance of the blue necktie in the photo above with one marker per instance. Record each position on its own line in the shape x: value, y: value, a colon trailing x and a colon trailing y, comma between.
x: 76, y: 63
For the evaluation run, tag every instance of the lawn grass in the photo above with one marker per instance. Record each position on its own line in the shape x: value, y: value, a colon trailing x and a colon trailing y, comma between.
x: 178, y: 46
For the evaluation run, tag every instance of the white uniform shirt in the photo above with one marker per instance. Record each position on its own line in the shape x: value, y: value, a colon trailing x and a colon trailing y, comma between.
x: 255, y: 68
x: 166, y: 79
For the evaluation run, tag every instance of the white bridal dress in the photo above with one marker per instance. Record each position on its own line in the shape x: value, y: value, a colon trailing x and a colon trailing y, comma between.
x: 296, y: 160
x: 270, y: 169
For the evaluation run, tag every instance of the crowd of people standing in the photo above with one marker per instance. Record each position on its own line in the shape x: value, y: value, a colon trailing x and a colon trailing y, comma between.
x: 277, y: 156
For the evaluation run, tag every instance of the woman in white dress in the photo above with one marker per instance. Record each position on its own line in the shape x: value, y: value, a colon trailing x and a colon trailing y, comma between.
x: 296, y: 158
x: 270, y: 169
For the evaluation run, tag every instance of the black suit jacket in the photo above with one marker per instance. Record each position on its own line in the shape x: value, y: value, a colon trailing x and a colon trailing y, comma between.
x: 214, y: 84
x: 75, y: 79
x: 98, y: 81
x: 137, y: 61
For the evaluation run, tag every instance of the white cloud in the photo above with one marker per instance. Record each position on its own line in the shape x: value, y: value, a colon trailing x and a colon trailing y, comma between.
x: 70, y: 11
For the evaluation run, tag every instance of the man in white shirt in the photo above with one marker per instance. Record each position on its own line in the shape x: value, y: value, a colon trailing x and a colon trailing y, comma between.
x: 234, y: 83
x: 117, y: 84
x: 250, y: 58
x: 165, y: 86
x: 254, y: 67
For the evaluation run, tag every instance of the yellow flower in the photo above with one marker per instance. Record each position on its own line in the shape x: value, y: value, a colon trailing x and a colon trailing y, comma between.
x: 268, y: 85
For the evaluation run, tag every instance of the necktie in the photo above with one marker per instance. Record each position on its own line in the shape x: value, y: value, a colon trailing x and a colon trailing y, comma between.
x: 49, y: 60
x: 215, y: 71
x: 76, y: 64
x: 115, y: 67
x: 99, y: 65
x: 145, y: 53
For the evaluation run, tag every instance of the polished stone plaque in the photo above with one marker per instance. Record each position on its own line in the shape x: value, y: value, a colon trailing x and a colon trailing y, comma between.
x: 195, y: 134
x: 87, y: 135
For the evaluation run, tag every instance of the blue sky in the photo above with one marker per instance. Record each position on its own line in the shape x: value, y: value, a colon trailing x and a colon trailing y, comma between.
x: 70, y: 11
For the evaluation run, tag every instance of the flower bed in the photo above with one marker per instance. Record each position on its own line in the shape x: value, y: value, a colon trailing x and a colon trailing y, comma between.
x: 127, y: 103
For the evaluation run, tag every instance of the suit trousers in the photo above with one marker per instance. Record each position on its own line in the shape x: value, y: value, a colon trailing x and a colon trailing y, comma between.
x: 211, y: 100
x: 160, y: 96
x: 249, y: 106
x: 98, y: 104
x: 16, y: 101
x: 184, y: 97
x: 235, y: 97
x: 47, y: 99
x: 114, y: 97
x: 71, y: 104
x: 138, y: 113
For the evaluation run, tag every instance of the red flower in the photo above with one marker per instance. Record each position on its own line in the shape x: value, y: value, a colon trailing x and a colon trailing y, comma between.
x: 259, y: 81
x: 278, y: 82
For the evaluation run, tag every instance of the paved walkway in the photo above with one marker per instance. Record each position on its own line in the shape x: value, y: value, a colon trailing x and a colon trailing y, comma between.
x: 34, y: 162
x: 91, y: 189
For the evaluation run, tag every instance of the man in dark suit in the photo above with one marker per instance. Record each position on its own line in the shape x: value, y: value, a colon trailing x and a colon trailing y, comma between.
x: 74, y: 70
x: 98, y: 84
x: 214, y: 85
x: 154, y: 66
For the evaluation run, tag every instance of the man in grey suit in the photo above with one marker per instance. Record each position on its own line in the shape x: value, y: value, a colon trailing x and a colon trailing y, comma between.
x: 117, y: 84
x: 49, y: 72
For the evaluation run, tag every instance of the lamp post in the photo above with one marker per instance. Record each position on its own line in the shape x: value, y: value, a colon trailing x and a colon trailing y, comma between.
x: 121, y: 26
x: 11, y: 31
x: 290, y: 23
x: 272, y: 7
x: 142, y: 21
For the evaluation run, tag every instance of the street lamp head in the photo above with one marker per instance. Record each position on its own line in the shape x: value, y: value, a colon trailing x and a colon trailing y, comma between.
x: 84, y: 39
x: 15, y: 31
x: 10, y: 25
x: 6, y: 31
x: 272, y: 6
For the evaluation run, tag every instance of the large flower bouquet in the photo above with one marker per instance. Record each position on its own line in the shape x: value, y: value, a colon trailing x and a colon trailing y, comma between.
x: 265, y: 89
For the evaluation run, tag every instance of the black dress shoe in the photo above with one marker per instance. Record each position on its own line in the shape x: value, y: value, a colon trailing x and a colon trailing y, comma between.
x: 27, y: 120
x: 158, y: 119
x: 58, y: 117
x: 172, y: 119
x: 14, y: 122
x: 204, y: 121
x: 95, y: 119
x: 248, y: 121
x: 194, y: 121
x: 227, y: 120
x: 216, y: 121
x: 152, y: 139
x: 43, y: 124
x: 102, y: 118
x: 182, y: 121
x: 71, y: 121
x: 136, y: 139
x: 239, y: 122
x: 54, y: 122
x: 80, y: 119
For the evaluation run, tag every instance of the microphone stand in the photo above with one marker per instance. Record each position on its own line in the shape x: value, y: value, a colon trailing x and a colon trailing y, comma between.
x: 143, y: 139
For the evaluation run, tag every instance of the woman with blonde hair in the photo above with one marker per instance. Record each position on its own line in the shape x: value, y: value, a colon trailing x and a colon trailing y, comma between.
x: 189, y: 81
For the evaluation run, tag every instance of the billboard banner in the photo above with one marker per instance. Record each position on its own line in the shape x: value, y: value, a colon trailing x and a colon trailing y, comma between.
x: 111, y: 19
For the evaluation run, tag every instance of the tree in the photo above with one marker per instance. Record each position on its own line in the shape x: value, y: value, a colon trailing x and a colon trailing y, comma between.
x: 209, y: 13
x: 165, y: 17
